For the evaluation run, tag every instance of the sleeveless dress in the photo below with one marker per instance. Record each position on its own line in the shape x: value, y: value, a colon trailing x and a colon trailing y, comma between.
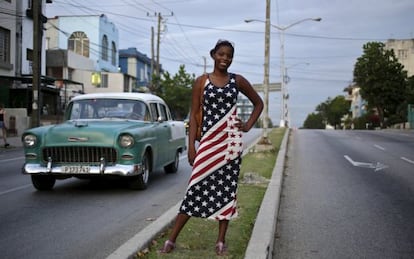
x: 212, y: 188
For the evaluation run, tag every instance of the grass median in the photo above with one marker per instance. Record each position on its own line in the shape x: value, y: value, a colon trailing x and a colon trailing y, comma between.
x: 198, y: 237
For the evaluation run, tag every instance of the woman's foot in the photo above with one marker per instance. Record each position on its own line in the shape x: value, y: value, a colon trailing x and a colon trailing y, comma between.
x: 221, y: 249
x: 6, y: 145
x: 168, y: 247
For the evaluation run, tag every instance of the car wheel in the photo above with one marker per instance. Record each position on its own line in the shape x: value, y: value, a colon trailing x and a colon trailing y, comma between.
x: 140, y: 182
x: 43, y: 182
x: 173, y: 167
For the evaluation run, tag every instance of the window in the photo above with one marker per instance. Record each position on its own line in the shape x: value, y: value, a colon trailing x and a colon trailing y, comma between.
x: 164, y: 113
x: 402, y: 54
x: 104, y: 80
x: 104, y: 44
x: 154, y: 111
x: 5, y: 48
x: 113, y: 53
x: 79, y: 43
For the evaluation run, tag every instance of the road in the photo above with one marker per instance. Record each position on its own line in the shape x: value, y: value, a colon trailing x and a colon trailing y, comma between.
x: 79, y: 218
x: 347, y: 194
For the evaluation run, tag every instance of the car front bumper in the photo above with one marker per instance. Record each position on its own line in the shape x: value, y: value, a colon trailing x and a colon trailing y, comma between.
x: 70, y: 170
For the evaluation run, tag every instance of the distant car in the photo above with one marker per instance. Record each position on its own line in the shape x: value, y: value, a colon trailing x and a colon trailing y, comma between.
x: 127, y: 135
x: 187, y: 123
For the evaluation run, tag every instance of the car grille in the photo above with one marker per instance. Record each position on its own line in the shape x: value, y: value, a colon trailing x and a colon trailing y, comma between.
x: 89, y: 155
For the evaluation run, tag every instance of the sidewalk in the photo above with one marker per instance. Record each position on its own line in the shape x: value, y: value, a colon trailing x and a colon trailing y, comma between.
x: 15, y: 142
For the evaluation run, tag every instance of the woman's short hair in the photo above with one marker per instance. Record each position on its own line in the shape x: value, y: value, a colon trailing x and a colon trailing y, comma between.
x: 222, y: 43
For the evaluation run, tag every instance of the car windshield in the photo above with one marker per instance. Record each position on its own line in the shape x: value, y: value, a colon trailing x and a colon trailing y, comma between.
x: 108, y: 108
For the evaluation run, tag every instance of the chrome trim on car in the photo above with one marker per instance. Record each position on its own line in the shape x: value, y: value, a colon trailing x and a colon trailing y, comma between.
x: 78, y: 139
x: 120, y: 170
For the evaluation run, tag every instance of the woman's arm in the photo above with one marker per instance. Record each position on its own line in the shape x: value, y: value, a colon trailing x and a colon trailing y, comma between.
x: 247, y: 89
x: 195, y: 108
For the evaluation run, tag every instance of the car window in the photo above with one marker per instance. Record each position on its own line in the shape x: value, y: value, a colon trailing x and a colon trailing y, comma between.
x: 81, y: 111
x: 163, y: 112
x: 109, y: 108
x: 154, y: 111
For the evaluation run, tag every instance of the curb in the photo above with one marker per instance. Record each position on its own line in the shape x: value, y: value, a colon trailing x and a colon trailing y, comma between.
x: 263, y: 235
x: 143, y: 238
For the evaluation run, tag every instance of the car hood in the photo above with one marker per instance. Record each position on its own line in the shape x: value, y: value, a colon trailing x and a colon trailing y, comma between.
x: 91, y: 133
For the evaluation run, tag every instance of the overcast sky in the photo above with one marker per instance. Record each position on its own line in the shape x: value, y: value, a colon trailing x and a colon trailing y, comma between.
x: 319, y: 56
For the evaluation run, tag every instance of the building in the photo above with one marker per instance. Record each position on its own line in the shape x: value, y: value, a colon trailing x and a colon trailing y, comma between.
x: 83, y: 55
x: 91, y: 36
x: 358, y: 105
x: 404, y: 51
x: 137, y: 65
x: 16, y: 60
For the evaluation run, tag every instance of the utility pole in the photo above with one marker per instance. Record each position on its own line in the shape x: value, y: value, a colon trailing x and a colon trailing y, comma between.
x: 265, y: 139
x: 37, y: 60
x: 205, y: 64
x: 158, y: 48
x: 157, y: 65
x: 152, y: 58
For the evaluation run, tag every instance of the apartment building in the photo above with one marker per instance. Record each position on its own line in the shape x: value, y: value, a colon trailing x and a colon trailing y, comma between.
x: 16, y: 59
x: 137, y: 65
x: 404, y: 51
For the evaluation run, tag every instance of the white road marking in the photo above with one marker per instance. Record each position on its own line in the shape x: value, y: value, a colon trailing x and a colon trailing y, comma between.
x: 407, y: 160
x: 15, y: 189
x: 376, y: 166
x: 12, y: 159
x: 379, y: 147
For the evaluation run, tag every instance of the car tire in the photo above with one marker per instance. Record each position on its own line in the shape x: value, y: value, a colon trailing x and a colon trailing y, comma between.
x: 43, y: 182
x: 173, y: 167
x: 140, y: 182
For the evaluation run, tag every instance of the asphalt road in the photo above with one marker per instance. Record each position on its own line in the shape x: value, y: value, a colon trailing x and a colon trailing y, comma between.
x: 347, y: 194
x: 79, y: 218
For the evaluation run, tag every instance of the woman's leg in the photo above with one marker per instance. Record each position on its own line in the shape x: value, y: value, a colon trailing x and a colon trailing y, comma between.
x: 180, y: 221
x: 3, y: 129
x: 223, y: 225
x: 221, y: 248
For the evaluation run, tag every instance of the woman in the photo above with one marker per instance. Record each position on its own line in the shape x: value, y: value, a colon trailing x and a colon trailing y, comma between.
x: 212, y: 188
x: 3, y: 125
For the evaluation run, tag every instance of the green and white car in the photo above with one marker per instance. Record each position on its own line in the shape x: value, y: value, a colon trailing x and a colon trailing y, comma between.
x: 126, y: 135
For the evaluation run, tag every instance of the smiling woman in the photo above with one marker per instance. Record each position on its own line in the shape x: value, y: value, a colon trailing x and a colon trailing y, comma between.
x: 212, y: 188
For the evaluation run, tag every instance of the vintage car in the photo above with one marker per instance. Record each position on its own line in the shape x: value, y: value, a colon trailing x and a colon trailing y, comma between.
x: 127, y: 135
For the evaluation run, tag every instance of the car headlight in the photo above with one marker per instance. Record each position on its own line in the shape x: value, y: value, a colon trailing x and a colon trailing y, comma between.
x: 126, y: 141
x: 29, y: 140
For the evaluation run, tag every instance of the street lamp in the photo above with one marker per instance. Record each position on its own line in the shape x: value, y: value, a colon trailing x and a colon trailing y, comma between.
x: 286, y: 81
x: 282, y: 29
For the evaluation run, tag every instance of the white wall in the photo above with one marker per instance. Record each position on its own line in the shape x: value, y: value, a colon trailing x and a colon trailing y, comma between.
x: 22, y: 120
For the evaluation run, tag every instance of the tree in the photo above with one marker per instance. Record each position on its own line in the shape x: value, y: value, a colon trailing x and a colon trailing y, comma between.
x: 338, y: 107
x: 333, y: 110
x: 382, y: 80
x: 314, y: 121
x: 176, y: 91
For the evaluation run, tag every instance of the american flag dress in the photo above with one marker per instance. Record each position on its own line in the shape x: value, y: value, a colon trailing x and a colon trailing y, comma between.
x: 212, y: 188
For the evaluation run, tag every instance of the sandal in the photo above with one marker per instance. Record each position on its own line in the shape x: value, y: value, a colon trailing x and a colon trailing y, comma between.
x: 221, y: 249
x: 168, y: 247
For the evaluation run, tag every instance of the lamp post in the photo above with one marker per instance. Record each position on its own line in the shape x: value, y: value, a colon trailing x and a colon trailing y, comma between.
x: 286, y: 81
x: 283, y: 90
